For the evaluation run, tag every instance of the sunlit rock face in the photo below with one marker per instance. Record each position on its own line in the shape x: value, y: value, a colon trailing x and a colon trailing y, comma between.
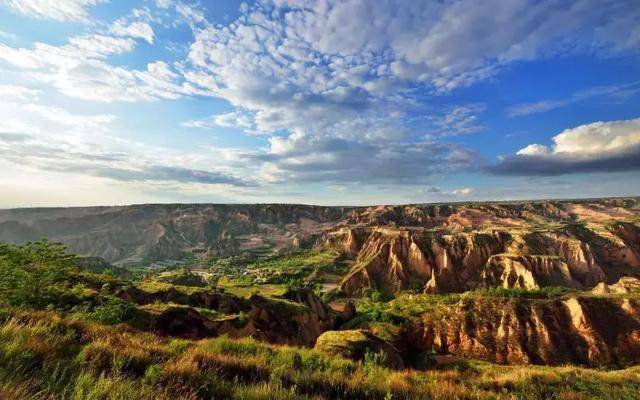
x: 434, y: 248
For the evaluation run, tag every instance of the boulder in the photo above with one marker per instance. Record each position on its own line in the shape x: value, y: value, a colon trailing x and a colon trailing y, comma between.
x: 355, y: 344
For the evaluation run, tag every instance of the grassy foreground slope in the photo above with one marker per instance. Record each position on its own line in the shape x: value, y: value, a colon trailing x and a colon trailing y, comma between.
x: 44, y: 356
x: 65, y: 335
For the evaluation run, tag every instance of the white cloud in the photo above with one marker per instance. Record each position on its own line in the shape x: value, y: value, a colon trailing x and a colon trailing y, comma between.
x: 438, y: 192
x: 457, y: 120
x: 136, y: 29
x: 61, y: 10
x: 329, y: 80
x: 41, y: 139
x: 164, y: 3
x: 343, y: 90
x: 79, y: 69
x: 597, y: 147
x: 234, y: 119
x: 462, y: 192
x: 23, y: 115
x: 7, y: 35
x: 13, y: 92
x: 598, y: 138
x: 541, y: 106
x: 533, y: 150
x: 99, y: 46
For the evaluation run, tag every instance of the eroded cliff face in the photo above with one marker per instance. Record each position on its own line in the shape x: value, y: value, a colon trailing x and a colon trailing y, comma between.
x: 457, y: 259
x: 388, y: 259
x: 527, y: 272
x: 394, y: 259
x: 579, y: 330
x: 286, y: 323
x: 160, y: 232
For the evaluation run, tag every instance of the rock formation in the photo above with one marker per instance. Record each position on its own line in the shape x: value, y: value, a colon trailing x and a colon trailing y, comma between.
x: 394, y: 259
x: 355, y: 344
x: 297, y: 319
x: 153, y: 232
x: 580, y: 330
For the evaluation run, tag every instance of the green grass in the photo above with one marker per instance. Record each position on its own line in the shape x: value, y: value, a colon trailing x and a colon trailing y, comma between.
x: 244, y: 276
x: 244, y: 289
x: 155, y: 286
x: 157, y: 308
x: 313, y: 258
x: 43, y: 356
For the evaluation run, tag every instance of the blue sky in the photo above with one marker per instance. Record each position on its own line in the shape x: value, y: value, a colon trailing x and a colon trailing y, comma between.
x: 326, y: 102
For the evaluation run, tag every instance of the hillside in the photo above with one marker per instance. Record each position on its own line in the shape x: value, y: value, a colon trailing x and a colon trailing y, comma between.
x: 481, y: 300
x: 157, y: 232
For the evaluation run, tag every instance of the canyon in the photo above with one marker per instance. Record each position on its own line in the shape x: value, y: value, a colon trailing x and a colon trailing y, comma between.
x: 541, y: 282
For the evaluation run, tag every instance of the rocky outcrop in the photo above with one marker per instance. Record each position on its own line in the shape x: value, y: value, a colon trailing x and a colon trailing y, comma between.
x: 210, y: 299
x: 284, y: 322
x: 355, y: 344
x: 394, y: 259
x: 629, y: 235
x: 458, y: 259
x: 527, y: 272
x: 616, y: 249
x: 389, y: 260
x: 625, y: 285
x: 589, y: 331
x: 308, y: 298
x: 576, y: 254
x: 159, y: 232
x: 297, y: 320
x: 152, y: 232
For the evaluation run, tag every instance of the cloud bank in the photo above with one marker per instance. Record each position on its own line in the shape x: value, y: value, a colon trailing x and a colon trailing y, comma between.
x: 597, y: 147
x: 61, y: 10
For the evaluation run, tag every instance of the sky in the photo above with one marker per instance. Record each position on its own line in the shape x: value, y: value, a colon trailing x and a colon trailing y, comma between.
x: 350, y: 102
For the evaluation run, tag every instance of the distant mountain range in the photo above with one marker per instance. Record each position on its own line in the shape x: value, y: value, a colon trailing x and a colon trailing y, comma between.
x: 599, y: 232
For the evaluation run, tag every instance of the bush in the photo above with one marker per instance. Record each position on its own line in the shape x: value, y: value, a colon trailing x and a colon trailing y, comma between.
x: 374, y: 359
x: 34, y: 274
x: 548, y: 292
x: 293, y: 284
x: 374, y: 307
x: 113, y: 311
x: 178, y: 346
x: 153, y: 374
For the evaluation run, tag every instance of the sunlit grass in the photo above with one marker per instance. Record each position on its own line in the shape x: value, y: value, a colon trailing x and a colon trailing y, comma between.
x: 43, y: 356
x: 243, y: 289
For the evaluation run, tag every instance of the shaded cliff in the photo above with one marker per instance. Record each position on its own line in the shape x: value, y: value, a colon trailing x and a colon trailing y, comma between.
x: 298, y: 318
x: 578, y: 330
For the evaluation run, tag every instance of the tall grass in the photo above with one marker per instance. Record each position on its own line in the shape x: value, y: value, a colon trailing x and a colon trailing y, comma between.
x: 44, y: 356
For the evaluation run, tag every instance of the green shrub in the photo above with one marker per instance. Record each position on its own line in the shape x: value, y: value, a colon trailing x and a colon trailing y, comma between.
x: 34, y: 274
x: 153, y: 374
x: 112, y: 310
x: 178, y: 346
x: 375, y: 308
x: 374, y: 359
x: 548, y: 292
x: 241, y: 320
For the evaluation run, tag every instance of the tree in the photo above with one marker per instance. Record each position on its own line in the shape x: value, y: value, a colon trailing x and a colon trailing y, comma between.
x: 34, y: 274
